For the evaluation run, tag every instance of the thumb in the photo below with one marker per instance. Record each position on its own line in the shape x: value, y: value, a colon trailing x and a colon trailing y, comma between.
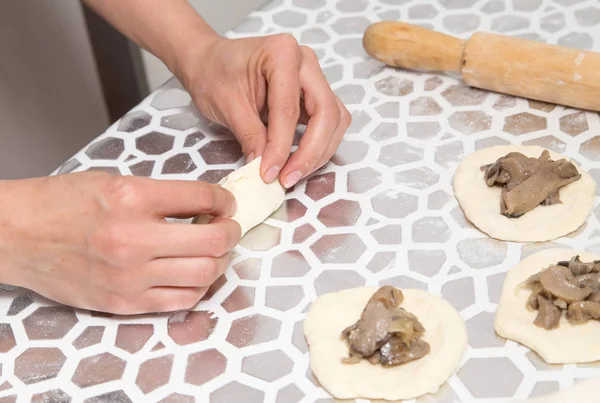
x: 250, y: 132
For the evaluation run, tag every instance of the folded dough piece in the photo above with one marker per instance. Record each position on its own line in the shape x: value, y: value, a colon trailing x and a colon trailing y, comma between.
x: 565, y: 344
x: 445, y: 331
x: 256, y: 200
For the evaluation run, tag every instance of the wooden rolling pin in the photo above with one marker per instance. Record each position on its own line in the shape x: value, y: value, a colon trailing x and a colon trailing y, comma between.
x: 515, y: 66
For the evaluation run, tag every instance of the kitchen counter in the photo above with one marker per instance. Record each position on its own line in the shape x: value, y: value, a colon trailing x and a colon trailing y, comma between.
x: 381, y: 212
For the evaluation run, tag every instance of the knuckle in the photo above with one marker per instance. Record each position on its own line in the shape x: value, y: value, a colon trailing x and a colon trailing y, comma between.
x: 124, y: 192
x: 219, y: 241
x: 289, y: 108
x: 206, y: 193
x: 285, y: 41
x: 209, y: 272
x: 309, y: 54
x: 333, y: 114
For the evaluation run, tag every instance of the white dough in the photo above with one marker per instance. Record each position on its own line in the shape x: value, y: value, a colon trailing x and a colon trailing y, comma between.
x: 481, y: 203
x: 330, y: 314
x: 256, y: 200
x: 567, y: 343
x: 585, y: 391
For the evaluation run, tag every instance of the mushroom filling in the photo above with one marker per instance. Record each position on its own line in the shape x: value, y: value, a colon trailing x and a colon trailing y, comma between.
x: 569, y: 286
x: 385, y: 333
x: 528, y: 182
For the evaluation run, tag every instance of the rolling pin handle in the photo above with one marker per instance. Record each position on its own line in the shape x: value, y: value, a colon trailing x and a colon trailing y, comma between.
x: 407, y: 46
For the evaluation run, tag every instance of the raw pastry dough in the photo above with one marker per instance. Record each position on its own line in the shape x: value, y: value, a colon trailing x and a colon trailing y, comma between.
x: 256, y: 200
x: 567, y: 343
x: 481, y: 203
x: 331, y: 313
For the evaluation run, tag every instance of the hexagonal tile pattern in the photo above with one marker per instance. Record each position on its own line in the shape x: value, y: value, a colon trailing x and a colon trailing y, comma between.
x: 254, y: 329
x: 501, y: 380
x: 91, y: 336
x: 424, y: 106
x: 394, y: 204
x: 134, y: 121
x: 7, y: 338
x: 427, y: 262
x: 523, y: 123
x: 98, y: 369
x: 340, y: 213
x: 340, y: 248
x: 133, y: 337
x: 574, y: 123
x: 481, y: 331
x: 399, y: 153
x: 38, y: 364
x: 470, y: 122
x: 191, y: 327
x: 49, y: 322
x: 154, y: 143
x: 204, y: 366
x: 430, y: 229
x: 109, y: 148
x: 269, y: 366
x: 394, y: 86
x: 221, y: 152
x: 391, y: 218
x: 461, y: 95
x: 154, y: 373
x: 51, y: 396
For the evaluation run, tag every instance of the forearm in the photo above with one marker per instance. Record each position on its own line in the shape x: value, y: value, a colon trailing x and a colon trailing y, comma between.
x: 165, y: 28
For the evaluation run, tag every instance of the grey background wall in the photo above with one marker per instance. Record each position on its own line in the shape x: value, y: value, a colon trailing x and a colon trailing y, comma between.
x: 51, y: 101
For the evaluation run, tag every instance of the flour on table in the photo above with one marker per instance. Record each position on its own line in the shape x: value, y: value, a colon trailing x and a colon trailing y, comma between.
x: 445, y: 331
x: 481, y: 203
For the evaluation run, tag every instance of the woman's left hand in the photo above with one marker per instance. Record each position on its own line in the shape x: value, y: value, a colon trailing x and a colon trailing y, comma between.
x: 244, y: 83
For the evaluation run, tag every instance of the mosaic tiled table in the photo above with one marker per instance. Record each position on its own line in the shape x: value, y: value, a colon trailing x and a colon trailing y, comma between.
x: 381, y: 212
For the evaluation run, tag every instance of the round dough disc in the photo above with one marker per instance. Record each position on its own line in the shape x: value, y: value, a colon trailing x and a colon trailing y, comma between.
x: 565, y: 344
x: 330, y: 314
x: 481, y: 203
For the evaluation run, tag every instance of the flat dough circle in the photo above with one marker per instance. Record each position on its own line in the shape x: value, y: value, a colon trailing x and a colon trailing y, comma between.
x: 481, y: 203
x: 331, y: 313
x: 567, y: 343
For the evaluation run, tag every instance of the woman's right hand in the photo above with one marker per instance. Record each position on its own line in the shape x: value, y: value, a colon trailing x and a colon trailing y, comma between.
x: 96, y: 241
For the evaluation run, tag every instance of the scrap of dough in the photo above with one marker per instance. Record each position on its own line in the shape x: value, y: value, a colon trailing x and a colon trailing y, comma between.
x: 256, y: 200
x: 481, y: 203
x: 567, y: 343
x: 331, y: 313
x: 585, y: 391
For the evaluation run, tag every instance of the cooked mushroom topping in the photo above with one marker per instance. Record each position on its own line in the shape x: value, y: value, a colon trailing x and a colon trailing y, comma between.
x: 572, y: 286
x: 385, y: 333
x: 560, y: 282
x: 529, y: 182
x: 582, y: 311
x: 548, y: 314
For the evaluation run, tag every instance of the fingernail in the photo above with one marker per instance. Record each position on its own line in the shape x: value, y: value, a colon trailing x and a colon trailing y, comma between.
x: 292, y: 179
x: 272, y: 173
x: 250, y: 158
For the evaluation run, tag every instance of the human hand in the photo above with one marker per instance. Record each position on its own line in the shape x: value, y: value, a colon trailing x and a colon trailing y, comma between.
x: 243, y: 83
x: 100, y: 242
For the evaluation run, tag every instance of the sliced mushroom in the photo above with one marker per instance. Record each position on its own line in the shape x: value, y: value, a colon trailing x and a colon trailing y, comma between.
x: 395, y: 352
x: 560, y: 303
x: 578, y: 267
x: 582, y: 311
x: 595, y: 297
x: 548, y: 316
x: 532, y: 302
x: 591, y: 280
x: 561, y: 283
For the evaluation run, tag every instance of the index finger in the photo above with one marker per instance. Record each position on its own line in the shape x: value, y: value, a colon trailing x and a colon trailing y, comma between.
x: 171, y: 198
x: 283, y: 98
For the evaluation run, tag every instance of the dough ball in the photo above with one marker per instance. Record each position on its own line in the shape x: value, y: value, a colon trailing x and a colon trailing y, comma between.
x: 481, y: 203
x: 256, y: 200
x: 331, y: 313
x: 567, y: 343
